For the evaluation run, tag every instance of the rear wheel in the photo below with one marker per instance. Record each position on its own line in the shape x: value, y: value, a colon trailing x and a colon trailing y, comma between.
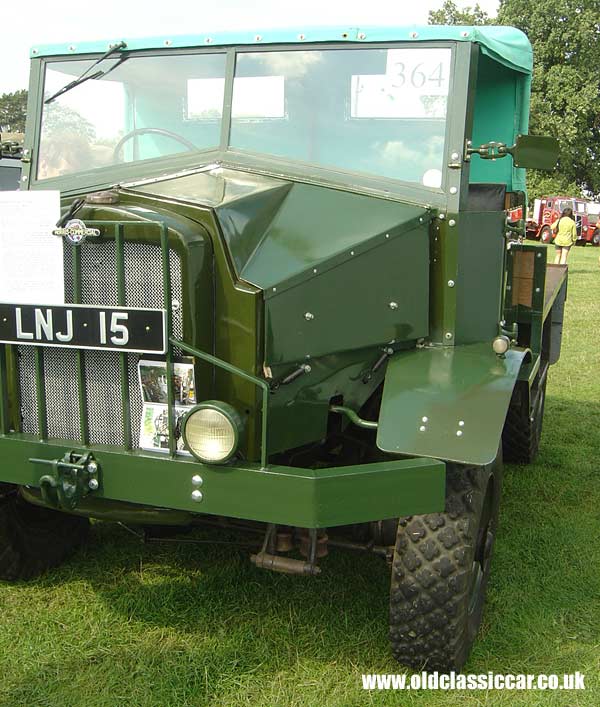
x: 34, y: 539
x: 546, y: 234
x: 523, y: 426
x: 440, y: 571
x: 596, y: 238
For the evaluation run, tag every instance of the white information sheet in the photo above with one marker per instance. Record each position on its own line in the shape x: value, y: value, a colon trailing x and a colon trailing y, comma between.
x: 31, y: 258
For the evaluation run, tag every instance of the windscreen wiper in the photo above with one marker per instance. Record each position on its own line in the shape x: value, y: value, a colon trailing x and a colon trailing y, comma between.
x: 86, y: 76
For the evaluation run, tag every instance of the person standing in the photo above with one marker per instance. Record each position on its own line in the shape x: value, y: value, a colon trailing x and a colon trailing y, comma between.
x: 566, y: 236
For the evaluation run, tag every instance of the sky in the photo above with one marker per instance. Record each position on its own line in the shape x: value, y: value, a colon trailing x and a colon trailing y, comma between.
x: 29, y: 23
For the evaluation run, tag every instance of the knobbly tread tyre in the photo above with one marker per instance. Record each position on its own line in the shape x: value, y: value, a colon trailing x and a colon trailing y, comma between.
x: 34, y: 539
x: 430, y: 622
x: 521, y: 435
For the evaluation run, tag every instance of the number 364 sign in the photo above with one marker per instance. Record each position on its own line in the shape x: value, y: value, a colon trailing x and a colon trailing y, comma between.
x: 415, y: 85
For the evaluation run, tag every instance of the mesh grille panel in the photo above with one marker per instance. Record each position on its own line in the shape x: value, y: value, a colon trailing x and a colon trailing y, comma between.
x: 26, y: 357
x: 143, y: 288
x: 62, y: 401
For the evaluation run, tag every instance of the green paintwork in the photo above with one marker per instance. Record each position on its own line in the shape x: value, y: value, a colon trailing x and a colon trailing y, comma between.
x: 479, y: 279
x: 447, y: 386
x: 301, y: 497
x: 535, y: 152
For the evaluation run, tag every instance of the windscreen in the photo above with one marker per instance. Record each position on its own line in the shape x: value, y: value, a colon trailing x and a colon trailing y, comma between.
x: 373, y: 111
x: 377, y: 111
x: 139, y: 109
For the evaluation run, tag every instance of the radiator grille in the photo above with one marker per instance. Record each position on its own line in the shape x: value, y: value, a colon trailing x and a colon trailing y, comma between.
x: 144, y: 288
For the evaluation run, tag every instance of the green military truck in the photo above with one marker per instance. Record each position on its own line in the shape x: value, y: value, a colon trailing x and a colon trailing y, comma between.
x: 11, y: 151
x: 293, y: 305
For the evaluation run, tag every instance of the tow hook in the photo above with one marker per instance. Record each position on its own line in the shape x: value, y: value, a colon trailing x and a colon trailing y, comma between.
x: 69, y: 480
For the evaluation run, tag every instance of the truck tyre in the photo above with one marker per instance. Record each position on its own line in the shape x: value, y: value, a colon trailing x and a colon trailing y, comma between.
x: 546, y: 234
x: 34, y: 539
x: 440, y: 571
x: 523, y: 427
x: 596, y: 238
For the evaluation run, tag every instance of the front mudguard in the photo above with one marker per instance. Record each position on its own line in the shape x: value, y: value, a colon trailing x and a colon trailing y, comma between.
x: 448, y: 402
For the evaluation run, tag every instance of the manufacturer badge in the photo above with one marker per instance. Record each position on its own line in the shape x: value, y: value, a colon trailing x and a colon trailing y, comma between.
x: 75, y: 231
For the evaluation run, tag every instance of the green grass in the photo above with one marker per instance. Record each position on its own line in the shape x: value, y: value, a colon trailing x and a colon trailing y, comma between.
x: 165, y: 625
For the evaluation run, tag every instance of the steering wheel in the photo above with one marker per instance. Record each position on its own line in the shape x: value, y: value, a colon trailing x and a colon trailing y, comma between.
x: 151, y: 131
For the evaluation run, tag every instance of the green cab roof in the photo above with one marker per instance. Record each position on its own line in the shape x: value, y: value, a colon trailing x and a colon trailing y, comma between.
x: 507, y: 45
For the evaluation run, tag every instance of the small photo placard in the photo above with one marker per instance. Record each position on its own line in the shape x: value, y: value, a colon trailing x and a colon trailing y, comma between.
x: 154, y: 428
x: 153, y: 382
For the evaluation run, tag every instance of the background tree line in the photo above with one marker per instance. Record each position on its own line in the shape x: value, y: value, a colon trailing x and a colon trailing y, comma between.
x: 565, y: 97
x: 13, y: 108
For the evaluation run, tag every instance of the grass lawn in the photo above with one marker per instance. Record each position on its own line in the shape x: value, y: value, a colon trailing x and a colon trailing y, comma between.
x: 125, y: 624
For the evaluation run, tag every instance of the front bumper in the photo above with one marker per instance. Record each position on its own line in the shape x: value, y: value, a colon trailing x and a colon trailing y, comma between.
x: 307, y: 498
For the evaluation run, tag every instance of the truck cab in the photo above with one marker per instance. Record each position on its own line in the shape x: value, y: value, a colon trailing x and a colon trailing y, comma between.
x: 284, y: 292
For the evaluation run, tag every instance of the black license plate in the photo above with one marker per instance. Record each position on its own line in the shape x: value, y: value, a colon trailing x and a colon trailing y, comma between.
x: 84, y: 327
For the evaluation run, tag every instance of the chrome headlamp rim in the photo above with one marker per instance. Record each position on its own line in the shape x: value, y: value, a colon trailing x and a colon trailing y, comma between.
x: 232, y: 416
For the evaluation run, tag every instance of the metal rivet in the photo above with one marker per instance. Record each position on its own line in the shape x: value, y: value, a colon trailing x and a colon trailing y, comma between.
x: 503, y: 322
x: 197, y: 495
x: 315, y: 270
x: 414, y: 35
x: 450, y: 283
x: 448, y: 335
x: 92, y: 467
x: 24, y: 178
x: 537, y: 289
x: 258, y: 38
x: 85, y: 325
x: 464, y: 34
x: 454, y: 156
x: 442, y: 217
x: 309, y: 316
x: 420, y: 219
x: 453, y: 190
x: 508, y: 287
x: 93, y: 484
x: 422, y: 428
x: 300, y: 37
x: 452, y: 222
x: 34, y: 51
x: 168, y: 42
x: 147, y: 328
x: 461, y: 423
x: 274, y: 289
x: 539, y: 255
x: 393, y: 305
x: 175, y: 304
x: 424, y: 418
x: 351, y: 252
x: 72, y: 48
x: 362, y: 35
x: 459, y: 433
x: 208, y: 40
x: 197, y: 480
x: 387, y: 235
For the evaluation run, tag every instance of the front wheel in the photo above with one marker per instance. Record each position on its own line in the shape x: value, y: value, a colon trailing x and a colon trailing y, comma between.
x: 596, y: 238
x: 34, y: 539
x: 440, y: 571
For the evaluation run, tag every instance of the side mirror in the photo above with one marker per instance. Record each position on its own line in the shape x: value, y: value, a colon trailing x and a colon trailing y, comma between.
x: 535, y: 152
x: 529, y: 151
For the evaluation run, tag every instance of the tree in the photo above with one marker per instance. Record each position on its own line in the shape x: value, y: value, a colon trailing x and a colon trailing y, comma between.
x: 450, y: 14
x: 13, y: 108
x: 565, y: 35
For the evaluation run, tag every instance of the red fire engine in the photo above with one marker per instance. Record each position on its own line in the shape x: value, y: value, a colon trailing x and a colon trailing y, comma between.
x: 549, y: 208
